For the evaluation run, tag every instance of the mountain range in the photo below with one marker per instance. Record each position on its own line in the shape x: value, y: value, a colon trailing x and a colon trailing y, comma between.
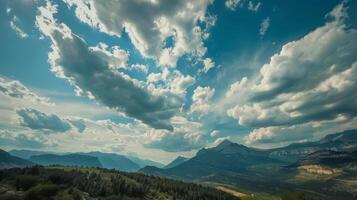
x: 9, y: 161
x: 106, y: 160
x: 299, y: 165
x: 324, y: 168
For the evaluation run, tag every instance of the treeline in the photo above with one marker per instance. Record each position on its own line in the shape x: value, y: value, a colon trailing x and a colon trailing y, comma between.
x: 89, y: 183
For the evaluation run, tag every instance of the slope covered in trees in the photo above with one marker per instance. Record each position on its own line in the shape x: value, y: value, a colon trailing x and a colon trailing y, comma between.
x: 89, y: 183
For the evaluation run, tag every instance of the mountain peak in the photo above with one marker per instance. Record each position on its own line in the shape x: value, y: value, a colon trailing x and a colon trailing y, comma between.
x: 225, y: 143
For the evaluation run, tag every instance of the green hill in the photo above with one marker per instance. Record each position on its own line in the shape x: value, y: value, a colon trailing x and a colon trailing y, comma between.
x: 9, y: 161
x: 90, y: 183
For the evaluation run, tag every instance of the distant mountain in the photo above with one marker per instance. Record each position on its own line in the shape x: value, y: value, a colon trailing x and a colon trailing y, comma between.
x: 144, y: 162
x: 108, y: 160
x: 114, y: 161
x: 26, y: 154
x: 343, y: 141
x: 329, y: 158
x: 66, y: 160
x: 227, y: 157
x: 9, y: 161
x: 176, y: 162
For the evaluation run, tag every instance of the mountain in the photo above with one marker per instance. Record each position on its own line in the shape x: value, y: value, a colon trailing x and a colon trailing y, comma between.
x: 176, y: 162
x: 72, y: 183
x: 26, y: 154
x: 66, y: 160
x: 108, y: 160
x: 114, y: 161
x: 329, y: 158
x: 226, y: 158
x: 144, y: 162
x: 325, y: 169
x: 343, y: 141
x: 9, y: 161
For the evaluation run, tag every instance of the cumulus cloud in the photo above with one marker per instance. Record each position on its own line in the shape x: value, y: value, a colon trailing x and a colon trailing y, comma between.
x: 92, y: 75
x: 16, y: 89
x: 116, y: 57
x: 185, y: 137
x: 150, y: 23
x: 37, y: 120
x: 140, y: 67
x: 312, y: 79
x: 200, y: 99
x: 174, y: 141
x: 180, y: 83
x: 264, y: 26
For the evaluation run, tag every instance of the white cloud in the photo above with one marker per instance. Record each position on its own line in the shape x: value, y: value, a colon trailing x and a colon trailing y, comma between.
x: 116, y: 57
x: 253, y: 7
x: 185, y: 137
x: 311, y: 80
x: 207, y: 64
x: 14, y: 25
x: 214, y: 133
x: 150, y: 23
x: 264, y: 26
x: 180, y: 83
x: 140, y: 67
x: 237, y: 86
x: 89, y: 72
x: 233, y: 4
x: 16, y: 89
x: 200, y: 99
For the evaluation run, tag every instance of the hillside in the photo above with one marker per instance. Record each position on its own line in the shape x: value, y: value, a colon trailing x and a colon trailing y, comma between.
x: 8, y: 161
x: 108, y: 160
x: 66, y: 160
x: 145, y: 162
x: 114, y: 161
x: 274, y: 171
x: 176, y: 162
x: 227, y: 157
x: 343, y: 141
x: 90, y: 184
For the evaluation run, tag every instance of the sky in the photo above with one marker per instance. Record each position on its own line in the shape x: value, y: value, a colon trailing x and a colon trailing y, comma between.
x: 162, y: 78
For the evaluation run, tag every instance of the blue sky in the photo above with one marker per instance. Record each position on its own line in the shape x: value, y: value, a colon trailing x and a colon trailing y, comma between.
x: 160, y: 78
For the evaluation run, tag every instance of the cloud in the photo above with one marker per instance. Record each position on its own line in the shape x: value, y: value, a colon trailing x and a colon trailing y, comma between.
x: 140, y: 67
x: 264, y: 26
x: 79, y: 124
x: 233, y: 4
x: 37, y: 120
x: 180, y: 83
x: 150, y: 23
x: 14, y: 25
x: 175, y: 141
x: 207, y: 64
x: 116, y: 57
x: 200, y: 99
x: 91, y: 74
x: 214, y: 133
x: 14, y: 139
x: 312, y: 79
x: 185, y: 137
x: 16, y: 89
x: 253, y: 7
